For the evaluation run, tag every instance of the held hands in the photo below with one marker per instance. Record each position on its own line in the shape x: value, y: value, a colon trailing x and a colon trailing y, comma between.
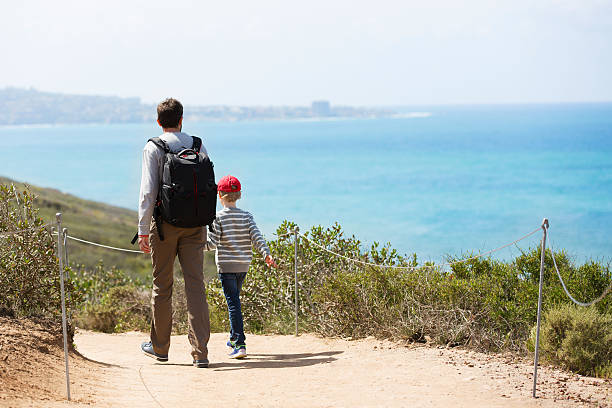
x: 270, y: 262
x: 143, y: 243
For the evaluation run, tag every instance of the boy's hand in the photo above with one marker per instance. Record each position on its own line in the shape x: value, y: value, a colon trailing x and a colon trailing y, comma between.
x: 270, y: 262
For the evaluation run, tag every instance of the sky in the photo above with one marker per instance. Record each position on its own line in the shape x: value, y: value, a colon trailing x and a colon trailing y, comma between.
x: 268, y: 52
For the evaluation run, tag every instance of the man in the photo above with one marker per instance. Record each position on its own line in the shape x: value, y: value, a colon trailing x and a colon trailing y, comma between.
x: 166, y: 241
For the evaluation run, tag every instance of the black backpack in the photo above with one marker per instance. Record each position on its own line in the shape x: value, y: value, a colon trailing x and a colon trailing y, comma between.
x: 187, y: 194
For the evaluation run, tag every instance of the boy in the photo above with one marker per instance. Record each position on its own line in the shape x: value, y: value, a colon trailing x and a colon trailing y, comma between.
x: 234, y: 234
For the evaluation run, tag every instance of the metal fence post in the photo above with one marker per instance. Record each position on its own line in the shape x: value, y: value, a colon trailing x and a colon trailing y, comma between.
x: 66, y: 274
x: 296, y: 244
x: 60, y: 256
x: 537, y: 345
x: 65, y: 235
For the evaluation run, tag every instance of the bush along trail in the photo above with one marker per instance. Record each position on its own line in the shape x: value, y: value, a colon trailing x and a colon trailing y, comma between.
x: 482, y: 304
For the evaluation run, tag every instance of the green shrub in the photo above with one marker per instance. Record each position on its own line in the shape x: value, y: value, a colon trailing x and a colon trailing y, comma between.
x: 29, y: 269
x: 92, y: 284
x: 584, y: 282
x: 577, y: 338
x: 121, y: 308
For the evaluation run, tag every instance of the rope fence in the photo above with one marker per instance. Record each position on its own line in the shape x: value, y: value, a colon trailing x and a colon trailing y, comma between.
x: 598, y: 299
x: 63, y: 257
x: 423, y: 266
x: 358, y: 261
x: 103, y: 246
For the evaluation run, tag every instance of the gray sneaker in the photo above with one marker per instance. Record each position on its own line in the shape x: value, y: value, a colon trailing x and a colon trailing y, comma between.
x: 147, y: 349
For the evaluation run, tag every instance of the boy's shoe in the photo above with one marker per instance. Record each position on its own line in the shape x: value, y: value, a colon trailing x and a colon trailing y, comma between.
x: 231, y: 344
x: 147, y: 349
x: 238, y: 352
x: 200, y: 363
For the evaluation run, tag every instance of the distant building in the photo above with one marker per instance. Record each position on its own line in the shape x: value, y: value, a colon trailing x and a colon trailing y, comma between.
x: 321, y: 108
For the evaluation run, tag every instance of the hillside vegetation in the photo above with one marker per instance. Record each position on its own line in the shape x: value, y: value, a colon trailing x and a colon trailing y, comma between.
x: 482, y: 304
x: 96, y: 222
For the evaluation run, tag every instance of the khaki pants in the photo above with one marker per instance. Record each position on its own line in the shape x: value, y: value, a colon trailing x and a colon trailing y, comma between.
x: 188, y: 244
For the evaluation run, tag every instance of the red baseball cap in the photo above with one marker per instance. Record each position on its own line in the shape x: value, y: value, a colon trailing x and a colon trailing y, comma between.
x: 228, y: 184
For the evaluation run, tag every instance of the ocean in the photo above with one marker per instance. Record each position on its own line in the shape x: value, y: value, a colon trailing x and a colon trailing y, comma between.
x: 448, y: 180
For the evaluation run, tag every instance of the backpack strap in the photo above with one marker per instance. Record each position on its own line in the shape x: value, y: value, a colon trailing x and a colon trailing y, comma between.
x: 157, y: 141
x: 197, y: 144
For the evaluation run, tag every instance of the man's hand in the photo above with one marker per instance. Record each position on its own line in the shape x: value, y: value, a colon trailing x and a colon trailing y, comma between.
x: 270, y: 262
x: 143, y: 243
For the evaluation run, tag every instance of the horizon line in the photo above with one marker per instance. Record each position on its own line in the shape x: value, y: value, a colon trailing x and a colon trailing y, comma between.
x: 384, y: 105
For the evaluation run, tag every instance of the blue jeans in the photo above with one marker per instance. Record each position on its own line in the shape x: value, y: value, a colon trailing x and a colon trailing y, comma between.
x: 232, y: 285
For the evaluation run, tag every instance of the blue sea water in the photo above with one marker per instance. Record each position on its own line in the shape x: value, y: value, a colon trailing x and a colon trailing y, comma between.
x: 463, y: 179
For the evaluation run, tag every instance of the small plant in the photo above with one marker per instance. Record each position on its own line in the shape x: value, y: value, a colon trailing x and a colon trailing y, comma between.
x: 577, y: 338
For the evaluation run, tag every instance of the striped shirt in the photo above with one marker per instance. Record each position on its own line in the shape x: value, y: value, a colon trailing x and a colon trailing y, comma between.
x: 234, y: 237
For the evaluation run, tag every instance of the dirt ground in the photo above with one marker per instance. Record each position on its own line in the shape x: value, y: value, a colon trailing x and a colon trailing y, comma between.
x: 288, y: 371
x: 32, y: 366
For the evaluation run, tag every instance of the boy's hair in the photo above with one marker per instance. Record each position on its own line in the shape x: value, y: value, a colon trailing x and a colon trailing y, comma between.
x: 169, y: 113
x: 231, y: 196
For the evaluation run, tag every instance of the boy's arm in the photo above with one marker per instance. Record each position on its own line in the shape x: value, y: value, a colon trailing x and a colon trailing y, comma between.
x: 257, y: 239
x: 213, y: 237
x: 259, y: 242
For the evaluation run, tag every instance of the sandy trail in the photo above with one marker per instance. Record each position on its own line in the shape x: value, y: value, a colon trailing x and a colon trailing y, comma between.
x: 308, y: 371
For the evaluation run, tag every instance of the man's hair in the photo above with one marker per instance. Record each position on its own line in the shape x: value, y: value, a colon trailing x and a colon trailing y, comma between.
x: 169, y: 113
x: 231, y: 196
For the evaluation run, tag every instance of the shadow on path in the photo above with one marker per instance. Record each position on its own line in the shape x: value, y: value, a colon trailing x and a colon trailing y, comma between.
x: 277, y: 361
x: 76, y: 352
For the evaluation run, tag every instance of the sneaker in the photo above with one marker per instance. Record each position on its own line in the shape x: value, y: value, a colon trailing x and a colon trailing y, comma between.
x: 238, y: 352
x: 147, y: 349
x: 231, y: 344
x: 200, y: 363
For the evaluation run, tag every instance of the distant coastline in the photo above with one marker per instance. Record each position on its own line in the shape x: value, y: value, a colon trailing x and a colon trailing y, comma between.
x: 19, y: 106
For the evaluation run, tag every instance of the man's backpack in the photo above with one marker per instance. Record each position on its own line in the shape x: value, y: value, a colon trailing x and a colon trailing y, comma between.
x: 187, y: 193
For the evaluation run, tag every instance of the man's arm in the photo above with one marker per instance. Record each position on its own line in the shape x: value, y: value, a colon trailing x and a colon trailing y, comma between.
x: 213, y: 238
x: 149, y: 186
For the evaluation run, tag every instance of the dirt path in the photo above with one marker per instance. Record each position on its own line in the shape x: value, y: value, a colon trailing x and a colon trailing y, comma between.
x: 312, y: 372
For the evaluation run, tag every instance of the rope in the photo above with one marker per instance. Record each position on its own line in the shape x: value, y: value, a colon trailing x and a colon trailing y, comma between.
x: 335, y: 253
x: 603, y: 295
x: 123, y: 249
x: 104, y: 246
x: 7, y: 233
x: 424, y: 266
x: 147, y: 388
x: 496, y: 249
x: 356, y: 260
